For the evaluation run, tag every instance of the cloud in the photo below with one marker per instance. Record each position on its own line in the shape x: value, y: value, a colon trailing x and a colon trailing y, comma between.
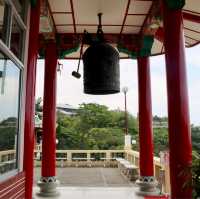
x: 70, y: 89
x: 192, y: 56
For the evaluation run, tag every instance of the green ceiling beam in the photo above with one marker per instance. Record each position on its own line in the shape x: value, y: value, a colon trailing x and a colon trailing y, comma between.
x: 175, y: 4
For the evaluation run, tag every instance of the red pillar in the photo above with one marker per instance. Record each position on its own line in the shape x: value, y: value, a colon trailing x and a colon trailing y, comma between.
x: 147, y: 182
x: 49, y: 112
x: 30, y: 99
x: 178, y: 111
x: 145, y: 118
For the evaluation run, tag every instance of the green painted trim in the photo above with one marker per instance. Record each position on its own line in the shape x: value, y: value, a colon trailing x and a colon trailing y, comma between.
x: 41, y: 53
x: 175, y: 4
x: 131, y: 54
x: 145, y: 51
x: 146, y: 46
x: 33, y: 3
x: 63, y: 53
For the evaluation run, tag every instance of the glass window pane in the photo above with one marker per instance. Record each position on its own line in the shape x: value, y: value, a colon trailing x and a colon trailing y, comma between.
x: 16, y: 39
x: 9, y: 113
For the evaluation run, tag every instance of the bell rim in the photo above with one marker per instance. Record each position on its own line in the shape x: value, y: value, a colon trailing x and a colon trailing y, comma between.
x: 101, y: 92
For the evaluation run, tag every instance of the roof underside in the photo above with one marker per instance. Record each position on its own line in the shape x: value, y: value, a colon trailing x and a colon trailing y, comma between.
x: 120, y: 18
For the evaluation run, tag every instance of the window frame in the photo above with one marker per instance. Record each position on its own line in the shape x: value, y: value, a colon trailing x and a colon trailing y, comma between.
x: 5, y: 49
x: 14, y: 14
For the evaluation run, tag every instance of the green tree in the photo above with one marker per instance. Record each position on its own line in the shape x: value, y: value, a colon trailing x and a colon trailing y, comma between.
x: 160, y: 137
x: 107, y: 138
x: 94, y: 127
x: 8, y: 130
x: 94, y: 116
x: 97, y: 127
x: 196, y: 138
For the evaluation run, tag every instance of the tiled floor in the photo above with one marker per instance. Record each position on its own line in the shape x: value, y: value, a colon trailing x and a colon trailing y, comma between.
x: 89, y: 177
x: 95, y: 193
x: 91, y: 183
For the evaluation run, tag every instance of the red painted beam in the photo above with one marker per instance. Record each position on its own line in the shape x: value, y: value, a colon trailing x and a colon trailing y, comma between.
x: 190, y: 11
x: 146, y: 19
x: 132, y: 14
x: 97, y: 25
x: 191, y: 17
x: 30, y: 99
x: 68, y: 40
x: 73, y: 16
x: 195, y: 40
x: 125, y: 16
x: 54, y: 24
x: 186, y: 28
x: 61, y: 12
x: 159, y: 35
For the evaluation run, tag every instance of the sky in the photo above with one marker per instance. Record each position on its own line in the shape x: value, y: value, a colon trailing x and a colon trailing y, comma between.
x: 9, y: 90
x: 70, y: 89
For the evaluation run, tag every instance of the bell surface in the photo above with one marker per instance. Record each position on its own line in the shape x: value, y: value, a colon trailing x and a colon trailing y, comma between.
x: 101, y: 70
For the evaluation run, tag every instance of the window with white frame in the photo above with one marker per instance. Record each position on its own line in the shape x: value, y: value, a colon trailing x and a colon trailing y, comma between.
x: 12, y: 38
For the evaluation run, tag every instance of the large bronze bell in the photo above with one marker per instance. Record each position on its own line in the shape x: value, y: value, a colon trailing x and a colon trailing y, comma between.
x: 101, y: 69
x: 100, y: 65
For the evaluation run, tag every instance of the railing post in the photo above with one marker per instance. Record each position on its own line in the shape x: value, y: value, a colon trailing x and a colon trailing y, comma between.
x: 88, y: 156
x: 108, y: 155
x: 69, y: 156
x: 134, y: 160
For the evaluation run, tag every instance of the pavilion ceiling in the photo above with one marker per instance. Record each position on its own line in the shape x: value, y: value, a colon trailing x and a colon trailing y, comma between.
x: 124, y: 21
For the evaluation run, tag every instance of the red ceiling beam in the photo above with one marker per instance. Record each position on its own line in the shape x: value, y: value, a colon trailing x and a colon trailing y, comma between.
x: 140, y: 14
x: 61, y: 12
x: 50, y: 10
x: 186, y: 28
x: 195, y: 40
x: 125, y: 16
x: 151, y: 19
x: 191, y: 45
x: 111, y: 38
x: 159, y: 35
x: 73, y: 16
x: 97, y: 25
x: 190, y: 11
x: 69, y: 40
x: 191, y: 17
x: 146, y: 19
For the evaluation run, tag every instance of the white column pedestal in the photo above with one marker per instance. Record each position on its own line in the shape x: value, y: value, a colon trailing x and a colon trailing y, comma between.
x: 48, y: 186
x: 147, y: 186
